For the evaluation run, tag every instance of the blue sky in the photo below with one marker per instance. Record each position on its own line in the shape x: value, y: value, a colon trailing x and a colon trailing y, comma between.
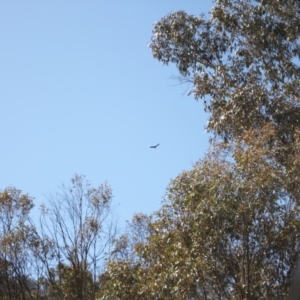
x: 81, y: 93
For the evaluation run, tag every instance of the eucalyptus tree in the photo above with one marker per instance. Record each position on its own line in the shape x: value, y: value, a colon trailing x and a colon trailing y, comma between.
x: 243, y: 62
x: 16, y: 235
x: 226, y: 230
x: 77, y: 229
x: 229, y: 228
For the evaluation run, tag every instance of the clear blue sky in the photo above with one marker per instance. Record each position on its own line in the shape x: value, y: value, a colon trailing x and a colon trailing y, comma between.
x: 81, y: 93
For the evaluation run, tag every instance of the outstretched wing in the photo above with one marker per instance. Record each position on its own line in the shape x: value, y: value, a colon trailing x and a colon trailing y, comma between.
x: 154, y: 146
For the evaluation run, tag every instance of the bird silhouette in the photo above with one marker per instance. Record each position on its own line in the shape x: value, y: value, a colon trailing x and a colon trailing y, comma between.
x: 154, y: 146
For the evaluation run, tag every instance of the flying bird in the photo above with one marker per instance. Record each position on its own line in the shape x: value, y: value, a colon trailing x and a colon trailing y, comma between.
x: 154, y: 146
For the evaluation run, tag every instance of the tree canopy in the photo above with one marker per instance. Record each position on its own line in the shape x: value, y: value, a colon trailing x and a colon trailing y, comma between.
x: 63, y: 256
x: 229, y: 228
x: 226, y: 230
x: 243, y: 61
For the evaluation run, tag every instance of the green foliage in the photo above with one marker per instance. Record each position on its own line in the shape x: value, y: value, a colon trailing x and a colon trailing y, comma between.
x: 76, y: 230
x: 243, y: 62
x: 75, y: 283
x: 229, y: 228
x: 15, y: 236
x: 63, y: 258
x: 225, y: 231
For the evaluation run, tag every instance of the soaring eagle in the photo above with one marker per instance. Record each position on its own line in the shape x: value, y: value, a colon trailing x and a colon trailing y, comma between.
x: 154, y: 146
